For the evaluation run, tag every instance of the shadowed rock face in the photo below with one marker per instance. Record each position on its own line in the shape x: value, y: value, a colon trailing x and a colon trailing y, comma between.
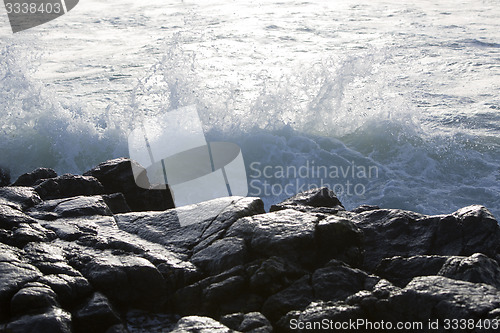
x: 95, y: 253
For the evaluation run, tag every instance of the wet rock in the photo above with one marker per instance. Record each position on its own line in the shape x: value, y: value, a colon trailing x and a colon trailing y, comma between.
x: 287, y: 233
x: 364, y: 208
x: 400, y: 270
x: 67, y: 186
x: 197, y: 324
x: 391, y: 232
x: 337, y: 281
x: 34, y: 177
x: 126, y: 279
x: 75, y: 206
x: 96, y: 315
x: 69, y: 289
x: 54, y: 321
x: 477, y: 268
x: 33, y: 298
x: 48, y: 258
x: 26, y: 233
x: 117, y: 177
x: 19, y: 197
x: 11, y: 217
x: 221, y: 255
x: 296, y: 297
x: 316, y: 200
x: 274, y: 274
x: 116, y: 203
x: 205, y: 222
x: 255, y: 322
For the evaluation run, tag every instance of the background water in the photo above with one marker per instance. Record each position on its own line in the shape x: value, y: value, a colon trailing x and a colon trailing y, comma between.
x: 408, y: 89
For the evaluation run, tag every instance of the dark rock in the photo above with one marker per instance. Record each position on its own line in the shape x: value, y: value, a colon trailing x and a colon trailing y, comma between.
x: 477, y: 268
x: 391, y: 232
x: 26, y: 233
x: 126, y: 279
x: 273, y: 275
x: 287, y: 233
x: 14, y: 273
x: 49, y: 259
x: 323, y: 316
x: 19, y: 197
x: 116, y: 203
x: 255, y: 322
x: 197, y: 324
x: 339, y: 238
x: 117, y: 177
x: 364, y: 208
x: 221, y: 255
x: 233, y: 320
x: 307, y: 201
x: 33, y: 177
x: 11, y: 217
x: 295, y: 297
x: 33, y: 298
x: 96, y: 315
x: 336, y: 281
x: 67, y: 186
x: 204, y: 223
x: 54, y: 321
x: 69, y: 289
x: 400, y: 270
x: 4, y: 176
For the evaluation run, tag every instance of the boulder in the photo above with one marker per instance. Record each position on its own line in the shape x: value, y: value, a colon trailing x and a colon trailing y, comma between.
x: 322, y: 200
x: 274, y: 274
x: 251, y: 322
x: 70, y: 289
x: 67, y: 186
x: 19, y: 197
x: 476, y: 268
x: 34, y: 177
x: 33, y: 298
x: 198, y: 324
x: 221, y: 255
x: 392, y: 232
x: 203, y: 224
x: 54, y: 321
x: 96, y: 315
x: 117, y: 177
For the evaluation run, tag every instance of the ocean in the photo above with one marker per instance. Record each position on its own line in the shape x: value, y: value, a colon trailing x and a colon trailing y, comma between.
x: 386, y: 102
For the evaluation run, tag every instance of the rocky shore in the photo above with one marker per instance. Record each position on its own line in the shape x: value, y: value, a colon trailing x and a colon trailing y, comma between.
x: 95, y: 253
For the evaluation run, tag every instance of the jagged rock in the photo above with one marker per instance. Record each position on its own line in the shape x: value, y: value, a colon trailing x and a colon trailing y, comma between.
x: 116, y: 203
x: 477, y: 268
x: 11, y: 217
x: 96, y: 315
x: 4, y: 176
x: 321, y: 317
x: 14, y: 273
x: 69, y: 289
x: 339, y: 238
x: 364, y: 208
x: 54, y: 321
x: 25, y: 233
x: 19, y: 197
x: 400, y: 270
x: 391, y: 232
x: 274, y: 274
x: 34, y: 177
x: 321, y: 200
x: 117, y: 177
x: 337, y: 281
x: 286, y: 233
x: 197, y: 324
x: 296, y: 297
x: 67, y: 186
x: 124, y: 279
x: 208, y: 222
x: 33, y: 298
x: 221, y: 255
